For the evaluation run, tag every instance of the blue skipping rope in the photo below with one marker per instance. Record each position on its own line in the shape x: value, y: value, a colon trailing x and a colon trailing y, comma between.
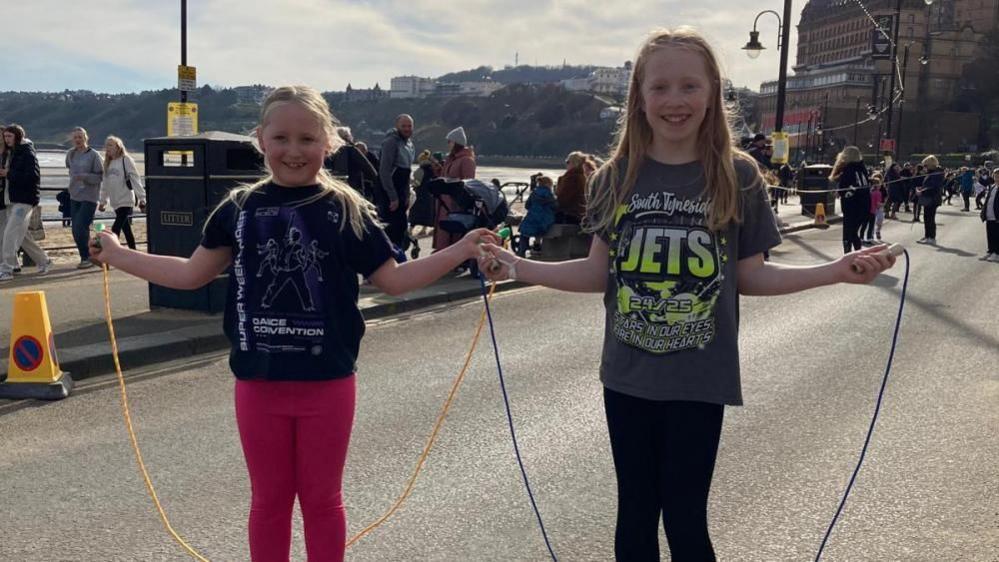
x: 877, y: 409
x: 853, y: 477
x: 509, y: 419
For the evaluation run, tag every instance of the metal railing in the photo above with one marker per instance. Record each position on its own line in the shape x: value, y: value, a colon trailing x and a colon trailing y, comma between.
x: 59, y: 220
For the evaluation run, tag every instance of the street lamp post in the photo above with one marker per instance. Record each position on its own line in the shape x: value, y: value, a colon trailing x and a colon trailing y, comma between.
x: 754, y: 47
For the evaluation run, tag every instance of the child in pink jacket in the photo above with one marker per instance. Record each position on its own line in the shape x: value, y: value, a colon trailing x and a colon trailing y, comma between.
x: 877, y: 215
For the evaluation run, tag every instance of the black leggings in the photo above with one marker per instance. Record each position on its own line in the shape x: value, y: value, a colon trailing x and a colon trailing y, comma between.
x: 930, y: 221
x: 123, y: 223
x: 664, y: 457
x: 853, y: 224
x: 396, y: 222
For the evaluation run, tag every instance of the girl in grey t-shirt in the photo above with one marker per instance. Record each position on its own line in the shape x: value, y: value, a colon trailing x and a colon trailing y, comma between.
x: 681, y: 222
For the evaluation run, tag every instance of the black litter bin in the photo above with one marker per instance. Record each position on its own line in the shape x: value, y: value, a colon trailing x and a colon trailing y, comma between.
x: 816, y: 178
x: 186, y: 177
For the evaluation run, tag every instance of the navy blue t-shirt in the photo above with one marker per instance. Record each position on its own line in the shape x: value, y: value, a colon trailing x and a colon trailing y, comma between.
x: 291, y: 313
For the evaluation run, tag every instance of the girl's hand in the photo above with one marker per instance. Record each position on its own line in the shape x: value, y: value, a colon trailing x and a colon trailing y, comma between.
x: 496, y: 261
x: 471, y: 242
x: 869, y: 262
x: 109, y: 245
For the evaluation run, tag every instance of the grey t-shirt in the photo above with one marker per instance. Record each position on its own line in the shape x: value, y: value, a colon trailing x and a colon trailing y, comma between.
x: 85, y: 173
x: 672, y: 299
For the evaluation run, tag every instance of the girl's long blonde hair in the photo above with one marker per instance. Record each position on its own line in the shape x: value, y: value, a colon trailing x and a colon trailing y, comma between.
x: 355, y: 207
x: 849, y: 155
x: 716, y: 152
x: 119, y: 145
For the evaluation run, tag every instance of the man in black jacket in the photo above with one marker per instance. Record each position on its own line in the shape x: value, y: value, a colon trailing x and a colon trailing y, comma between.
x: 23, y: 179
x: 350, y: 162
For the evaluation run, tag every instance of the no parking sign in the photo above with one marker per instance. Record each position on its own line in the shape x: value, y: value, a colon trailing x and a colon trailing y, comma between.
x: 32, y: 367
x: 27, y: 353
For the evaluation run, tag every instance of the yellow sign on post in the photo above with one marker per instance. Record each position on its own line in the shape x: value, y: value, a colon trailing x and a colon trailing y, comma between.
x: 33, y: 366
x: 187, y: 78
x: 182, y: 119
x: 782, y: 147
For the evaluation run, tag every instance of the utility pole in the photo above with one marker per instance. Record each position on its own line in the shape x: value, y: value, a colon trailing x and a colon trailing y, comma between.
x: 785, y: 37
x: 894, y: 65
x: 876, y: 104
x: 856, y: 121
x: 183, y: 43
x: 901, y: 105
x: 824, y: 124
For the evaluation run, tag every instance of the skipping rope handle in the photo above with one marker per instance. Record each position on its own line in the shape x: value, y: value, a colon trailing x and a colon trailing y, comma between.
x: 495, y: 265
x: 894, y: 250
x: 98, y: 228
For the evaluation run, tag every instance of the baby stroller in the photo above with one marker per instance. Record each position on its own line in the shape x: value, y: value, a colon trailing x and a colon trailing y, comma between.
x: 476, y: 204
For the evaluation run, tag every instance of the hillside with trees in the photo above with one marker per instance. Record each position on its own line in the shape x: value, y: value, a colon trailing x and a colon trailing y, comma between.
x: 517, y: 120
x: 522, y: 74
x: 525, y: 120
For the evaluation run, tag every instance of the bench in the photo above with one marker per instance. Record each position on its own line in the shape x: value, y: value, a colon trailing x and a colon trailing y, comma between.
x: 563, y: 242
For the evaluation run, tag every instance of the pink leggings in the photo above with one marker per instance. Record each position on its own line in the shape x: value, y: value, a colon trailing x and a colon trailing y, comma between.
x: 295, y: 437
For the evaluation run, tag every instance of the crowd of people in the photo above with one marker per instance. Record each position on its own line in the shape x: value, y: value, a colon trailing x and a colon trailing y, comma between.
x: 868, y: 197
x: 397, y: 182
x: 110, y: 180
x: 871, y: 195
x: 96, y: 182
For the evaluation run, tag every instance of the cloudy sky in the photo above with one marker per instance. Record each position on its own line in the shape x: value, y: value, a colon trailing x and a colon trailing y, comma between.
x: 133, y: 45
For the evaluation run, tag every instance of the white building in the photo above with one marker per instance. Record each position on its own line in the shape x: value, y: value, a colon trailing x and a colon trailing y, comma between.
x: 577, y: 84
x: 613, y: 81
x: 480, y: 89
x: 416, y: 87
x: 412, y: 87
x: 610, y: 81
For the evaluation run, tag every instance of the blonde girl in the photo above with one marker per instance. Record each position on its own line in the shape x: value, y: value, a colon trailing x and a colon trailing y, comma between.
x: 121, y: 188
x: 681, y: 221
x: 297, y: 242
x: 850, y: 177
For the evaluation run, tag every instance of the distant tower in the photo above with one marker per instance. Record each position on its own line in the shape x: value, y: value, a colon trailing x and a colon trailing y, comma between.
x: 516, y: 58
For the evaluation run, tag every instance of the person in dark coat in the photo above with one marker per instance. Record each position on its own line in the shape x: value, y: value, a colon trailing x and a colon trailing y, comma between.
x: 928, y: 197
x: 915, y: 184
x: 540, y: 213
x: 350, y: 162
x: 986, y: 181
x: 758, y: 149
x: 423, y: 211
x: 570, y: 190
x: 990, y: 216
x: 906, y: 175
x: 851, y: 177
x: 896, y: 190
x: 967, y: 187
x: 23, y: 190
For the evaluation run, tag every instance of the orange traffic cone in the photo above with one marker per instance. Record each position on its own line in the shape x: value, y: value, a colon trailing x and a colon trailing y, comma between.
x: 820, y: 216
x: 33, y: 370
